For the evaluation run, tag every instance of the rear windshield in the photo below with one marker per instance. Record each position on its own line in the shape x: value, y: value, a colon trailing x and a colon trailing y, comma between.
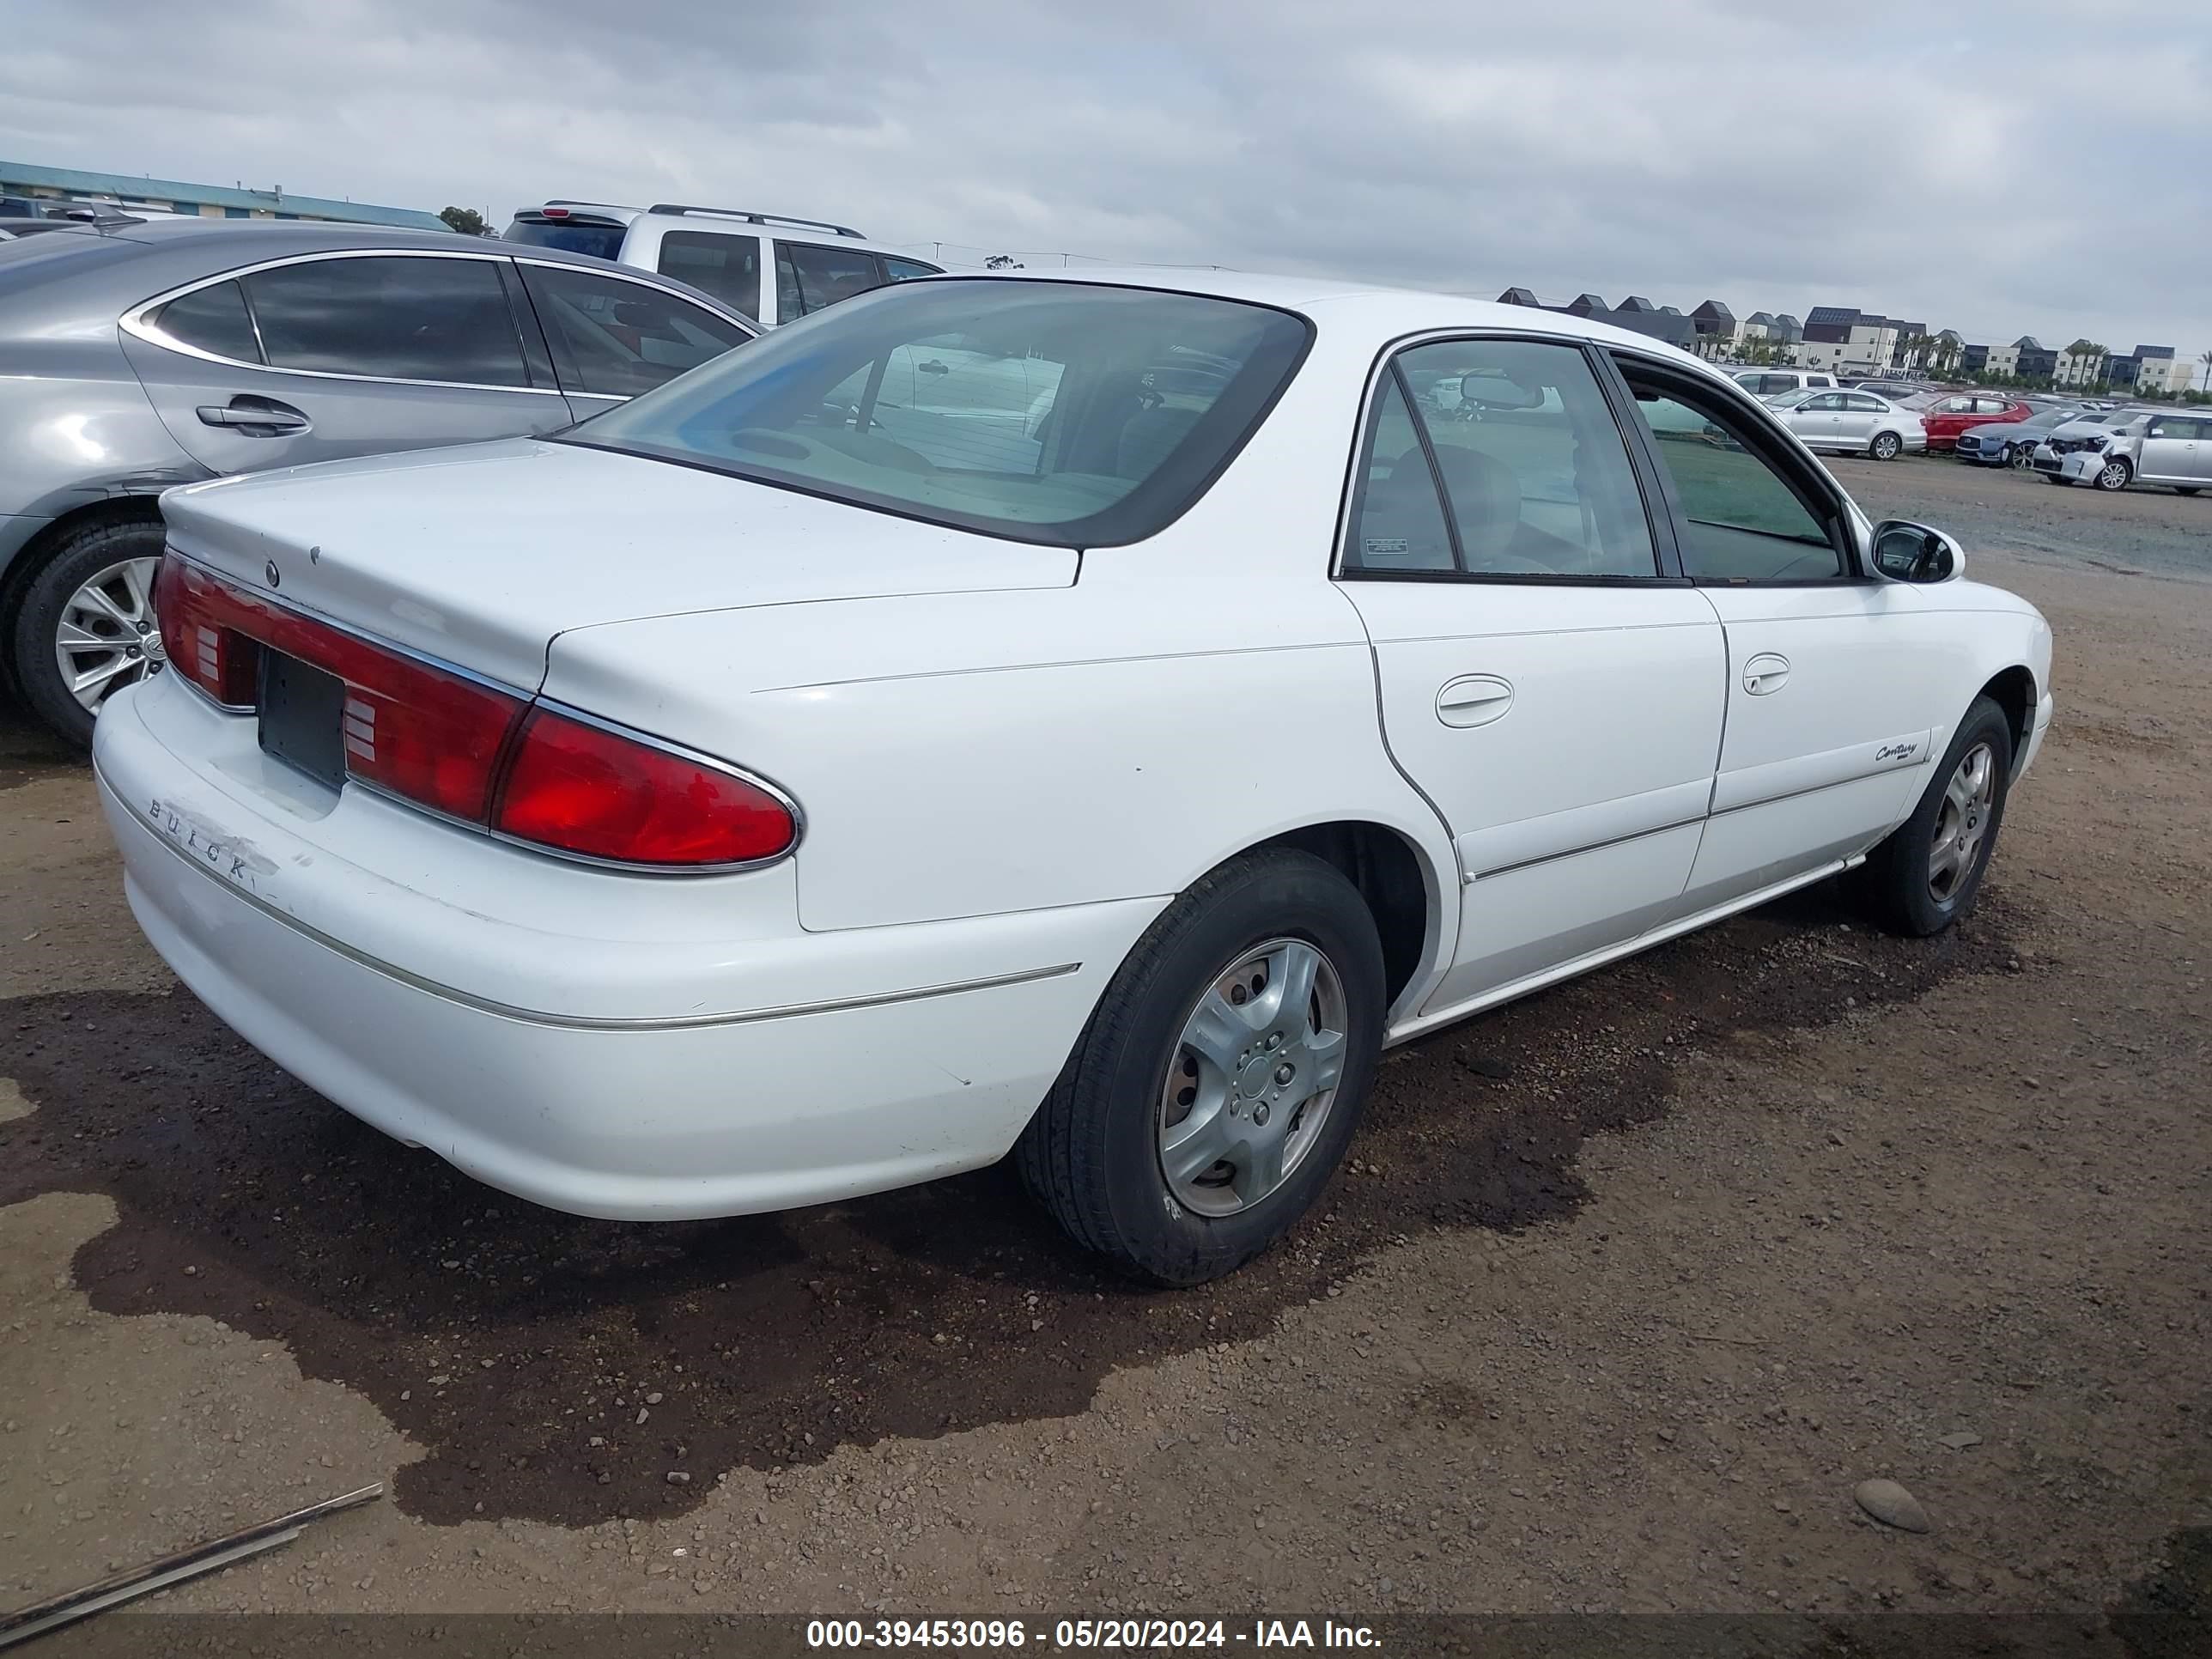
x: 601, y: 241
x: 1065, y: 413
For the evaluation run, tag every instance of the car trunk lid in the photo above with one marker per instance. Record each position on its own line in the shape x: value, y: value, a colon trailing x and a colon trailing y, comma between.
x: 482, y: 556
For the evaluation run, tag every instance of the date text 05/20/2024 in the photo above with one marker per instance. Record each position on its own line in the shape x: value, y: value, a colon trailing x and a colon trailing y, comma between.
x: 987, y: 1635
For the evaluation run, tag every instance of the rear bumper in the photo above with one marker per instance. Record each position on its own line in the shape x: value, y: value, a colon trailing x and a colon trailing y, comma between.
x: 689, y: 1076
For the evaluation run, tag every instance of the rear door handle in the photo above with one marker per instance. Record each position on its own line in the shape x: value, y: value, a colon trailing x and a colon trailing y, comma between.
x: 1473, y: 700
x: 1765, y: 673
x: 257, y: 417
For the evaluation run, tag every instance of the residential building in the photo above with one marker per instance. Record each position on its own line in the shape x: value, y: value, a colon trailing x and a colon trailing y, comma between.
x: 1787, y: 328
x: 1717, y: 324
x: 1638, y: 302
x: 206, y: 201
x: 1910, y: 345
x: 2163, y: 370
x: 1652, y: 321
x: 1759, y: 325
x: 2033, y: 360
x: 2000, y: 359
x: 2080, y: 368
x: 1974, y: 360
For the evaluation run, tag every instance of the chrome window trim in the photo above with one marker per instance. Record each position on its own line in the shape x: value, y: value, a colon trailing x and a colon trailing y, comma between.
x: 138, y: 322
x: 530, y: 700
x: 1379, y: 372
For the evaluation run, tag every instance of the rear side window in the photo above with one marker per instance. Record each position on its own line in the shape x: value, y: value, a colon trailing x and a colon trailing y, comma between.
x: 390, y: 317
x: 1398, y: 522
x: 905, y: 270
x: 1741, y: 520
x: 615, y: 338
x: 809, y: 277
x: 213, y: 320
x: 1535, y: 475
x: 1865, y: 403
x: 1062, y: 413
x: 727, y: 267
x: 600, y: 241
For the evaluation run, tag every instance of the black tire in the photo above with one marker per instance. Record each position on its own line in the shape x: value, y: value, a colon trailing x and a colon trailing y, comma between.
x: 1885, y: 446
x: 66, y: 568
x: 2052, y: 478
x: 1091, y: 1154
x: 2186, y: 489
x: 2121, y: 463
x: 1894, y: 880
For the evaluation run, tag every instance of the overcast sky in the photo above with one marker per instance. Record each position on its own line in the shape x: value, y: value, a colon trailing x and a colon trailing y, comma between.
x: 2022, y: 167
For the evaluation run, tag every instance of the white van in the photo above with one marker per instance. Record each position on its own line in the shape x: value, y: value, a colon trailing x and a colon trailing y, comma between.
x: 771, y: 267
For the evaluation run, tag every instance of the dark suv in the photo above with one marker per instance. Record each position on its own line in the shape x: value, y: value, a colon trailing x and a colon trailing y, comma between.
x: 169, y: 351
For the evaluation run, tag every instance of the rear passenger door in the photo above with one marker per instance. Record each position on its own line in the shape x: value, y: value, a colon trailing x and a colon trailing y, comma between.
x: 314, y: 358
x: 613, y: 336
x: 1833, y: 676
x: 724, y: 264
x: 1546, y: 682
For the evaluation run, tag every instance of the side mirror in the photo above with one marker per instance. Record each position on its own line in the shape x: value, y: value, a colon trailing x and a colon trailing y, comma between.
x: 1908, y: 552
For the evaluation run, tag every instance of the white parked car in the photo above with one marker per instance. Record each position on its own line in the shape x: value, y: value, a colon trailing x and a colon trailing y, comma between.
x: 1854, y: 423
x: 775, y: 270
x: 805, y: 781
x: 1773, y: 382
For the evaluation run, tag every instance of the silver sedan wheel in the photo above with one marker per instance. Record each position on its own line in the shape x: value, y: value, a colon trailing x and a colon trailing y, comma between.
x: 107, y: 636
x: 1962, y: 822
x: 1253, y: 1078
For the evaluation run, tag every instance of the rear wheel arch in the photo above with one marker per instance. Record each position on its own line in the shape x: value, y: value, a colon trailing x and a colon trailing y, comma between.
x: 1397, y: 880
x: 2014, y: 689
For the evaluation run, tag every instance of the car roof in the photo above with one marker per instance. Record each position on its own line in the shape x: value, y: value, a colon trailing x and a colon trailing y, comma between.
x: 1396, y: 311
x: 728, y: 220
x: 168, y: 253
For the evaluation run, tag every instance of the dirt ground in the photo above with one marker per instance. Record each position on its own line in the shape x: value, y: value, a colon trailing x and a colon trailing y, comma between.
x: 1628, y: 1286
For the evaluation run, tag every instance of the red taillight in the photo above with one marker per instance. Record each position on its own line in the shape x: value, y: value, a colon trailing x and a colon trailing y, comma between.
x: 581, y: 789
x: 438, y: 739
x: 200, y: 643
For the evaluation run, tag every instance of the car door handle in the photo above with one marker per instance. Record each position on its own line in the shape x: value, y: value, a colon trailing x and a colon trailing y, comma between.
x: 1473, y: 700
x: 1764, y: 674
x: 256, y: 417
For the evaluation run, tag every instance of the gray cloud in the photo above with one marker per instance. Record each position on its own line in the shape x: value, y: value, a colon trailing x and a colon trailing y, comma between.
x: 2030, y: 176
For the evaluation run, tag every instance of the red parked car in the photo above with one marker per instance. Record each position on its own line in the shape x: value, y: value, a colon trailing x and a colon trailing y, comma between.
x: 1947, y: 417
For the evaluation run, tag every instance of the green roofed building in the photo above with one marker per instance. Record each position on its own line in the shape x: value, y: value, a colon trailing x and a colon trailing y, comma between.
x: 22, y: 179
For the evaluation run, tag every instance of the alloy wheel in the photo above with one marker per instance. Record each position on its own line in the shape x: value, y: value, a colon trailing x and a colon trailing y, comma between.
x: 108, y: 635
x: 1252, y: 1077
x: 1962, y: 822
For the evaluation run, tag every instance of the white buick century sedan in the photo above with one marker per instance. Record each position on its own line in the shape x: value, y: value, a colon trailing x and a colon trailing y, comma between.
x: 1086, y: 719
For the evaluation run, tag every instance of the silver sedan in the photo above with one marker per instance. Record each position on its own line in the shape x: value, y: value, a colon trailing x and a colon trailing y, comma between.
x: 1855, y: 423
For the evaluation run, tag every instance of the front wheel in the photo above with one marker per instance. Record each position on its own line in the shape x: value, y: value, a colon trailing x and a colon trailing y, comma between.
x: 2186, y: 489
x: 1925, y: 876
x: 2020, y: 455
x: 2114, y: 474
x: 1213, y: 1094
x: 1885, y: 446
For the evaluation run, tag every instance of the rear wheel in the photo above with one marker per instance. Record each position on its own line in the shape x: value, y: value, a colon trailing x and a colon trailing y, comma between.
x: 86, y: 628
x: 2115, y: 473
x: 1220, y: 1077
x: 1885, y: 446
x: 2187, y: 489
x: 1926, y: 875
x: 2020, y: 455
